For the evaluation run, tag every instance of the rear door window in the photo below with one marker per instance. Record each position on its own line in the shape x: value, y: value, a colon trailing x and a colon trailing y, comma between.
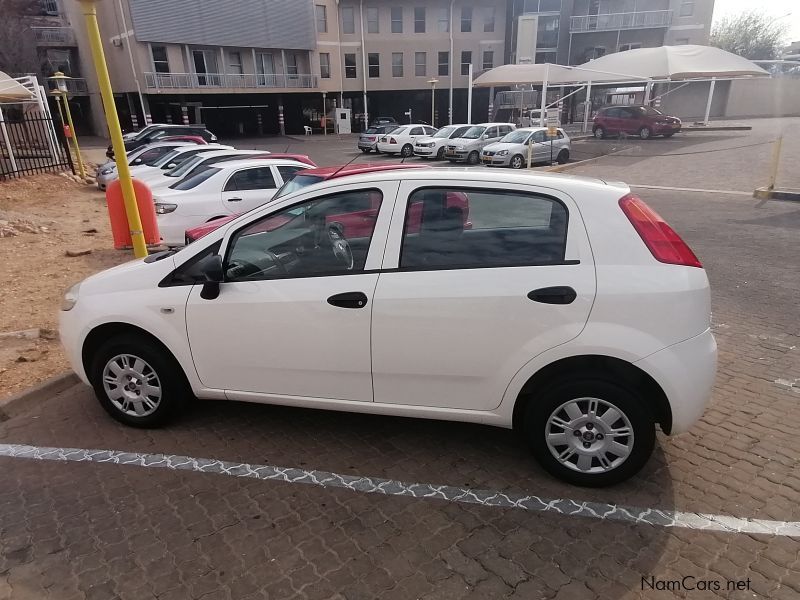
x: 257, y: 178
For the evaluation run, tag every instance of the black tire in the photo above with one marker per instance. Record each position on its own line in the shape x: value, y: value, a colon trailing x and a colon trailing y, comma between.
x: 599, y: 133
x: 645, y: 133
x: 541, y: 406
x: 473, y: 158
x: 440, y: 153
x: 563, y: 157
x: 517, y: 162
x: 175, y: 389
x: 366, y: 150
x: 407, y: 150
x: 377, y: 151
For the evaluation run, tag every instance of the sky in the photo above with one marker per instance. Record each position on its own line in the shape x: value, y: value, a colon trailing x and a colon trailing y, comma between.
x: 775, y: 8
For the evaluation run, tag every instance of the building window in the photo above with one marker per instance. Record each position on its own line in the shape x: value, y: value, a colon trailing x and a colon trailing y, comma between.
x: 291, y: 65
x: 681, y: 41
x: 348, y: 19
x: 374, y: 63
x: 631, y: 46
x: 540, y: 6
x: 350, y: 66
x: 397, y: 19
x: 687, y: 8
x: 325, y: 65
x: 546, y: 57
x: 444, y: 63
x: 160, y: 61
x: 372, y: 20
x: 265, y: 64
x: 235, y: 63
x: 397, y: 64
x: 420, y: 64
x: 488, y: 59
x: 322, y: 18
x: 488, y: 20
x: 547, y: 34
x: 60, y: 60
x: 50, y: 7
x: 466, y: 58
x: 419, y: 19
x: 466, y: 19
x: 443, y: 22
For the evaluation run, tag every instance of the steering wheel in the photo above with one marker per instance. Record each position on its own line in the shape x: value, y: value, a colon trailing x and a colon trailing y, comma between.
x: 242, y: 269
x: 341, y: 249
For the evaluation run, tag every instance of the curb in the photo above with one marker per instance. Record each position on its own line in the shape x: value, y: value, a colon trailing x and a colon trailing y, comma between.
x: 719, y: 128
x: 580, y: 163
x: 768, y: 194
x: 20, y: 402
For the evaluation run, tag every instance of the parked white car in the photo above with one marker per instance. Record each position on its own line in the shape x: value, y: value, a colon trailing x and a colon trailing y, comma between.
x: 107, y: 172
x: 560, y: 306
x: 467, y: 148
x: 402, y: 139
x: 199, y: 161
x: 432, y: 146
x: 517, y: 147
x: 154, y: 170
x: 218, y: 191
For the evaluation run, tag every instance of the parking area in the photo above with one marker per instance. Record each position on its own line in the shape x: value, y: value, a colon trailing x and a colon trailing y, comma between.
x: 242, y: 501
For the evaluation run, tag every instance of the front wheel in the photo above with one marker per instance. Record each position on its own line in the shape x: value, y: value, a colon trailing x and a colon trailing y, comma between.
x: 473, y: 158
x: 599, y: 133
x: 407, y: 151
x: 137, y: 381
x: 645, y: 133
x: 517, y: 162
x: 563, y: 157
x: 590, y: 432
x: 440, y: 153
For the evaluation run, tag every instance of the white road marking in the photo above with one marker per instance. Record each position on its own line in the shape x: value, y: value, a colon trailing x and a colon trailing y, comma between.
x: 390, y: 487
x: 698, y: 190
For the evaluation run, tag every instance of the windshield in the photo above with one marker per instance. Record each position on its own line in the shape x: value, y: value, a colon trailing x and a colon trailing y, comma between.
x: 516, y: 137
x: 298, y: 182
x: 153, y: 155
x: 166, y: 158
x: 187, y: 166
x: 374, y: 130
x: 187, y: 183
x: 473, y: 133
x: 650, y: 111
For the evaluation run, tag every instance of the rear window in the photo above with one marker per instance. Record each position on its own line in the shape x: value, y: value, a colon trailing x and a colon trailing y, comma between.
x: 193, y: 181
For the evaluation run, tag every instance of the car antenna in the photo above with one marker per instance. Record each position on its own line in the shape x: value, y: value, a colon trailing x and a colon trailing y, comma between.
x: 343, y: 166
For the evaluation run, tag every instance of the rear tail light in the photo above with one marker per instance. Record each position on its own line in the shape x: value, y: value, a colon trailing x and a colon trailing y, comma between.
x: 392, y: 141
x: 665, y: 245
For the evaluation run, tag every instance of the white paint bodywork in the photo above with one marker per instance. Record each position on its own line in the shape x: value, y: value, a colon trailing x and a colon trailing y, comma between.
x: 402, y: 136
x: 444, y: 344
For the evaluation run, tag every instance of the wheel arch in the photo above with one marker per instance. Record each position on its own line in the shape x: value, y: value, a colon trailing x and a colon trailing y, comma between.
x: 603, y: 367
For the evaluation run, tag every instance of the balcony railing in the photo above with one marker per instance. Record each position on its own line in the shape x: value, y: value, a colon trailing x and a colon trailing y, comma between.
x: 614, y: 21
x: 54, y: 35
x: 75, y: 86
x: 222, y: 80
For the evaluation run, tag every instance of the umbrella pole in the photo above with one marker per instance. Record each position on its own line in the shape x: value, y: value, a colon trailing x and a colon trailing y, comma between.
x: 544, y: 96
x: 587, y: 107
x: 710, y: 98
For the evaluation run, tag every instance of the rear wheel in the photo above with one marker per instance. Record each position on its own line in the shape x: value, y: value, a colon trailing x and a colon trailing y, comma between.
x: 407, y: 151
x: 516, y: 162
x: 590, y: 432
x: 366, y: 150
x: 137, y: 381
x: 563, y: 157
x: 473, y: 158
x: 645, y: 133
x: 599, y: 133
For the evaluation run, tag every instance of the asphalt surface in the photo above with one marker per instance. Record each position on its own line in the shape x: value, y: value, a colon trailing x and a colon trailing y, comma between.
x: 156, y: 524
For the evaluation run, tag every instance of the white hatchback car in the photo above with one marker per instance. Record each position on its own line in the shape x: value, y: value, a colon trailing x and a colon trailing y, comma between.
x: 217, y: 191
x: 402, y: 139
x: 561, y: 306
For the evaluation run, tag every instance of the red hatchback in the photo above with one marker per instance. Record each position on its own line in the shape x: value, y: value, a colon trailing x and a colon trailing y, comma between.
x: 644, y: 121
x: 301, y: 179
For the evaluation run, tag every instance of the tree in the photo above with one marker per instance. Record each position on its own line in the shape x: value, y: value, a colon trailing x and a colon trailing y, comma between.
x: 17, y: 44
x: 750, y: 34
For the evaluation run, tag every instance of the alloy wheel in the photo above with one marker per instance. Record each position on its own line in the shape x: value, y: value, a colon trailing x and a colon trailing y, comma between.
x: 132, y: 385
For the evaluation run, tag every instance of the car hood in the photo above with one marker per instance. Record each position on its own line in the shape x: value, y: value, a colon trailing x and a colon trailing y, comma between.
x: 426, y: 139
x: 462, y: 141
x: 497, y: 146
x: 132, y: 275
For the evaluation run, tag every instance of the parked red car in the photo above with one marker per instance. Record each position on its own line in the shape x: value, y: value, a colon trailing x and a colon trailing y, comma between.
x: 644, y: 121
x: 299, y: 181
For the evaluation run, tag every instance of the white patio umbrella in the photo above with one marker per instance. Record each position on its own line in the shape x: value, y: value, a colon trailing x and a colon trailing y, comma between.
x: 12, y: 90
x: 680, y: 63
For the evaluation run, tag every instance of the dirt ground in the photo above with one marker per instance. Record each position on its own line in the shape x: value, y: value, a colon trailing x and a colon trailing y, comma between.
x: 41, y: 218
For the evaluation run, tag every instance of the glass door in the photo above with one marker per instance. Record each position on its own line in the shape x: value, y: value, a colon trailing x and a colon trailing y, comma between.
x: 265, y: 64
x: 205, y: 66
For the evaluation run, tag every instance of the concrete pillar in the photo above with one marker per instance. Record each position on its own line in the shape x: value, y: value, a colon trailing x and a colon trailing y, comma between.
x: 260, y: 123
x: 184, y: 114
x: 489, y: 119
x: 281, y: 122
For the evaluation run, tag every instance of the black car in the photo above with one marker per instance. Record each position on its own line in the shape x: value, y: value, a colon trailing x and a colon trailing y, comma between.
x: 153, y: 134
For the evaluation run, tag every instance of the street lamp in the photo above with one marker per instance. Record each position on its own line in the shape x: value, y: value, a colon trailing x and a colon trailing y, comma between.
x: 89, y: 10
x: 61, y: 92
x: 433, y: 83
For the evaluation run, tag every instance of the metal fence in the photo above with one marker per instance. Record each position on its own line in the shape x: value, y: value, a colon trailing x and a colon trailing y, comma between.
x: 31, y: 143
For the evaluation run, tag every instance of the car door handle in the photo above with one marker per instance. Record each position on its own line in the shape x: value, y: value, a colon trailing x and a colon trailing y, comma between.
x: 234, y: 199
x: 349, y: 300
x: 560, y: 294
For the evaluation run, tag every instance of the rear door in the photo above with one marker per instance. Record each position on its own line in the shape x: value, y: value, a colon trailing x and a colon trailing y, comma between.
x: 248, y: 188
x: 477, y: 290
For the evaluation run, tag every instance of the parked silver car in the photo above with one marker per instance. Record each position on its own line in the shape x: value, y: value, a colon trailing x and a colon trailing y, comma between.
x: 512, y: 151
x: 468, y: 147
x: 368, y: 140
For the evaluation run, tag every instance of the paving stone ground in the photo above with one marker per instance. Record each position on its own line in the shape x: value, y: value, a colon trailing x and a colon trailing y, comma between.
x: 75, y: 531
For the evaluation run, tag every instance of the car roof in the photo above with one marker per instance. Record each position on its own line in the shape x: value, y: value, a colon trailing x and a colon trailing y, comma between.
x: 257, y: 162
x: 162, y: 144
x: 202, y: 148
x: 326, y: 173
x: 230, y: 152
x: 491, y: 124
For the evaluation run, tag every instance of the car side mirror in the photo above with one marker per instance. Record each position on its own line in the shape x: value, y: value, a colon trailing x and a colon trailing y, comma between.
x: 171, y: 165
x: 214, y: 274
x: 137, y: 161
x: 484, y: 137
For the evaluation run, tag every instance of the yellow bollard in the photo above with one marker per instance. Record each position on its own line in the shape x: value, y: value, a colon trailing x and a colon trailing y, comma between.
x: 114, y: 130
x: 81, y: 168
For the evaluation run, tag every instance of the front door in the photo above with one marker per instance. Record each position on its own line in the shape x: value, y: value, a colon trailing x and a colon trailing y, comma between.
x: 293, y: 315
x: 476, y: 291
x: 248, y: 188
